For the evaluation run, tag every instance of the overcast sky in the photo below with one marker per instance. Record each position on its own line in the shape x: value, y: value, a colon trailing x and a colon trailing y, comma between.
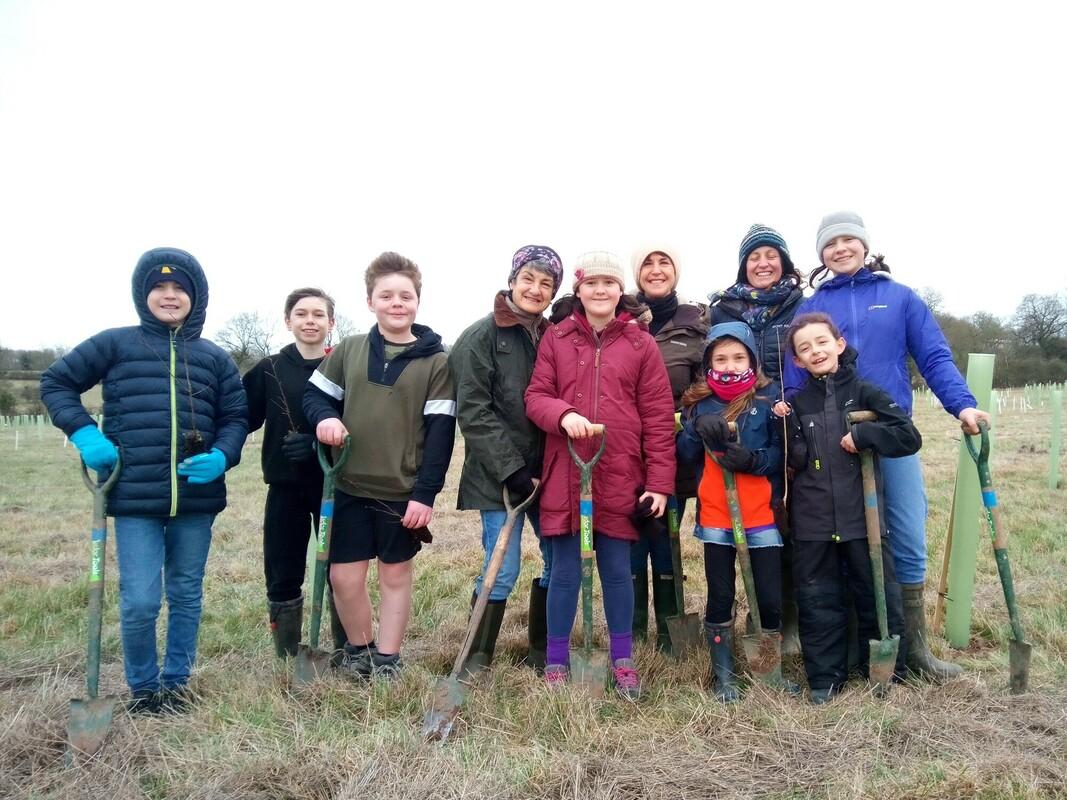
x: 288, y: 144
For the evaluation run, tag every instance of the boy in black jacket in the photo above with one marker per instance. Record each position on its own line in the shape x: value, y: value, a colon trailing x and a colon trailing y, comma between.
x: 275, y: 388
x: 828, y: 524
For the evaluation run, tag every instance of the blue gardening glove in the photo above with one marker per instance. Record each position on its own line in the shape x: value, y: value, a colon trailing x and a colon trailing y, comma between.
x: 96, y: 450
x: 203, y: 467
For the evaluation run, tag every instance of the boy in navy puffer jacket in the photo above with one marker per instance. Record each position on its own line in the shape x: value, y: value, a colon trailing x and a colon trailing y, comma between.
x: 175, y: 409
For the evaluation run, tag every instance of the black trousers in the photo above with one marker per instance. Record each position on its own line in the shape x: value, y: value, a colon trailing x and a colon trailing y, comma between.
x: 825, y: 572
x: 766, y: 572
x: 289, y: 517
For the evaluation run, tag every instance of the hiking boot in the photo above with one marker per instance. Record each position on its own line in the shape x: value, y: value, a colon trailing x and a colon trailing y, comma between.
x: 484, y: 644
x: 386, y: 667
x: 820, y: 697
x: 538, y: 627
x: 286, y: 619
x: 556, y: 676
x: 919, y: 658
x: 665, y: 604
x: 640, y: 623
x: 143, y: 701
x: 357, y: 660
x: 176, y: 699
x: 627, y: 681
x: 721, y: 645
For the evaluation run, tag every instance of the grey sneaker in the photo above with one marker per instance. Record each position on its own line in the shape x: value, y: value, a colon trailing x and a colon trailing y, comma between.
x: 357, y: 661
x: 386, y: 668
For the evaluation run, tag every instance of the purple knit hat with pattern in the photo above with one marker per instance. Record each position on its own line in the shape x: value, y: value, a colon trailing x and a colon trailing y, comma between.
x: 540, y: 257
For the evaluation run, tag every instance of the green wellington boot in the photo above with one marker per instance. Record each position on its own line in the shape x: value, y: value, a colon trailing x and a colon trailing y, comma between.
x: 640, y: 623
x: 721, y: 644
x: 919, y: 659
x: 665, y: 604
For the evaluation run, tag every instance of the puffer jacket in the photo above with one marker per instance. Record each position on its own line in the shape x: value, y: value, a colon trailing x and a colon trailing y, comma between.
x: 885, y: 322
x: 771, y: 345
x: 616, y: 378
x: 491, y: 364
x: 681, y: 343
x: 827, y: 495
x: 158, y: 383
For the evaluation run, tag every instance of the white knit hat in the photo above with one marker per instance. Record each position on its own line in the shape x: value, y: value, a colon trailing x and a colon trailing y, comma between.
x: 598, y: 264
x: 644, y: 251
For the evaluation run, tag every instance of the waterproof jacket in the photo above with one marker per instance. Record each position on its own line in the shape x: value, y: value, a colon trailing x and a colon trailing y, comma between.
x: 759, y: 431
x: 826, y: 502
x: 886, y: 322
x: 491, y: 364
x: 771, y: 343
x: 275, y: 388
x: 159, y: 383
x: 681, y: 343
x: 400, y: 413
x: 616, y: 378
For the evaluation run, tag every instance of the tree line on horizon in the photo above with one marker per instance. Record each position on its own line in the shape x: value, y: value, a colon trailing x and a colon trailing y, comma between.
x: 1030, y: 346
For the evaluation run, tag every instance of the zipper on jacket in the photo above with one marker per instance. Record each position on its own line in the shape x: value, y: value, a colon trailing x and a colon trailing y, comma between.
x: 812, y: 437
x: 596, y: 375
x: 173, y: 432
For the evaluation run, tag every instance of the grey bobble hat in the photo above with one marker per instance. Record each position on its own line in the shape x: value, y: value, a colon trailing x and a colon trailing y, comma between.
x: 841, y: 223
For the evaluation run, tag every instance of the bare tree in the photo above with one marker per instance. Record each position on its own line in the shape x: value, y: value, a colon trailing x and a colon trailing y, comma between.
x: 247, y: 338
x: 343, y: 326
x: 1041, y: 319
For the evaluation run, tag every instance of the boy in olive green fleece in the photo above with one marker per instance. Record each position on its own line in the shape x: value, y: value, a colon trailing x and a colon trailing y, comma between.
x: 391, y: 391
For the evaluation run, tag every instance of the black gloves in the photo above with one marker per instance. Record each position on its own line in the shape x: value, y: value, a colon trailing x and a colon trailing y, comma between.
x: 298, y: 447
x: 641, y: 517
x: 737, y: 458
x: 520, y: 485
x: 713, y: 430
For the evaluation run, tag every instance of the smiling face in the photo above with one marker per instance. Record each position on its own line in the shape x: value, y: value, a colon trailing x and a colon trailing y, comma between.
x: 532, y: 290
x: 169, y: 303
x: 394, y: 302
x: 599, y: 298
x: 816, y: 349
x: 729, y: 355
x: 763, y: 268
x: 309, y: 320
x: 843, y: 255
x: 657, y: 277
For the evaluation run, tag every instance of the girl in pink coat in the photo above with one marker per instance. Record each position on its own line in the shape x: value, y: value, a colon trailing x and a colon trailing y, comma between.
x: 599, y: 364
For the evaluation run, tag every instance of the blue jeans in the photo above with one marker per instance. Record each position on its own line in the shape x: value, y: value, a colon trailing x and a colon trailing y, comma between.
x: 905, y: 516
x: 492, y: 522
x: 156, y: 553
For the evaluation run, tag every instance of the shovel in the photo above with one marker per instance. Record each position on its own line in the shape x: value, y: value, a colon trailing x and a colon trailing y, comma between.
x: 311, y: 662
x: 90, y: 718
x: 589, y: 667
x: 1019, y: 648
x: 451, y: 692
x: 883, y: 653
x: 686, y: 630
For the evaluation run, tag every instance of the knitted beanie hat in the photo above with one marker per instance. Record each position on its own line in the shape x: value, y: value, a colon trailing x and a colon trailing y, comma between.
x: 169, y: 272
x: 762, y: 236
x: 598, y: 264
x: 540, y: 257
x: 639, y: 255
x: 841, y: 223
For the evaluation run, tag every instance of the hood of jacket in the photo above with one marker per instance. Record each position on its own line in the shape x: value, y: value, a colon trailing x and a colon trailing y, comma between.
x: 734, y: 330
x: 193, y: 324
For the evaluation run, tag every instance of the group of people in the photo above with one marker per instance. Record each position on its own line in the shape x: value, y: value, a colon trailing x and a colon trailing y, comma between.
x: 756, y: 385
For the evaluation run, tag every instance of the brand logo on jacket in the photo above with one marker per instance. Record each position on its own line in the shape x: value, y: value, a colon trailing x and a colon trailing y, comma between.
x: 877, y: 307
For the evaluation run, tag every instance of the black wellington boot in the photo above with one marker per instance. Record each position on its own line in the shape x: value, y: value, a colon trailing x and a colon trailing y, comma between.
x: 286, y: 619
x: 665, y: 604
x: 721, y: 644
x: 640, y: 623
x: 538, y: 627
x: 484, y: 645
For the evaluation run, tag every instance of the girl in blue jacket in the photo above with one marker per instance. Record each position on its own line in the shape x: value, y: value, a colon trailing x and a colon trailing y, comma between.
x: 175, y: 409
x: 886, y: 322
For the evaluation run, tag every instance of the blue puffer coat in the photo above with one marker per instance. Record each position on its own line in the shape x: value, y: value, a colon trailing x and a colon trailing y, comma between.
x: 885, y: 322
x: 157, y: 383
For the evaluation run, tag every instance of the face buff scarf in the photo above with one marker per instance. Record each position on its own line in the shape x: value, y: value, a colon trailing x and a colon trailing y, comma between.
x: 728, y: 386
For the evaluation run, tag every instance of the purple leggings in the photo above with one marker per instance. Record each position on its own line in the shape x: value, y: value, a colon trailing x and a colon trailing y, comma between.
x: 613, y: 564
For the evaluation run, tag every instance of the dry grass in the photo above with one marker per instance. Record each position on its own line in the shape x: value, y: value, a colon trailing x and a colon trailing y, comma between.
x: 250, y: 737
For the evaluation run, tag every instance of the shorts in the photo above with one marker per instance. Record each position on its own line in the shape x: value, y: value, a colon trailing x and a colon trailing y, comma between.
x: 365, y: 528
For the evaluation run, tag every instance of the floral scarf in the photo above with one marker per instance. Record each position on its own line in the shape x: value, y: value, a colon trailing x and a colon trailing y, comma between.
x: 760, y: 304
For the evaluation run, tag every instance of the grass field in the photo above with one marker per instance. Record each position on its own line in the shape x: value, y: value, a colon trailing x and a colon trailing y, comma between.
x: 250, y: 738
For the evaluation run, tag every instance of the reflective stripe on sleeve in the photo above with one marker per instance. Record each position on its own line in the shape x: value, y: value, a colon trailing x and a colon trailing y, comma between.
x: 440, y: 407
x: 321, y: 382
